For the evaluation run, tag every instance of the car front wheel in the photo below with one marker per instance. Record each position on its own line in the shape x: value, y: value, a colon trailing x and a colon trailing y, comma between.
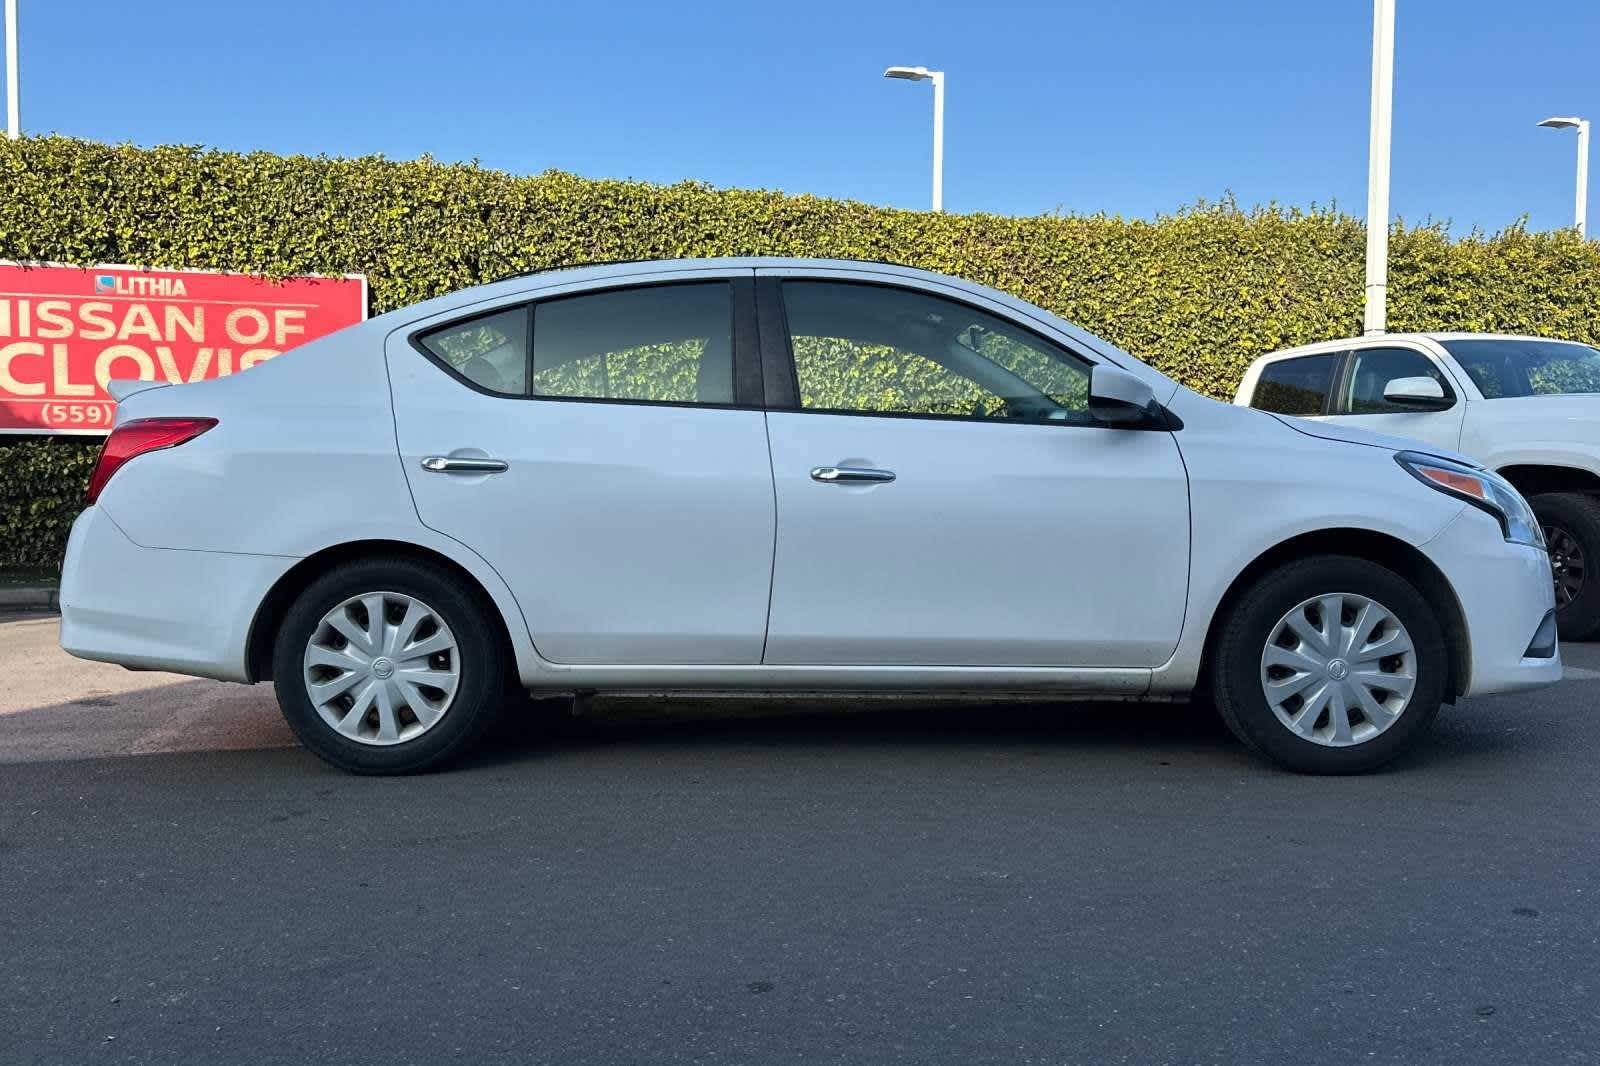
x: 1330, y: 665
x: 388, y: 666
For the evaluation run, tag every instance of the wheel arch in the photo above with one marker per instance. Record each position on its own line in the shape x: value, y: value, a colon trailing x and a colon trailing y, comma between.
x: 1375, y: 547
x: 1534, y: 479
x: 270, y: 613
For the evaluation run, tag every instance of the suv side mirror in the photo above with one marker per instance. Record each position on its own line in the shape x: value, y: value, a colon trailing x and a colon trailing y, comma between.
x: 1417, y: 394
x: 1118, y: 398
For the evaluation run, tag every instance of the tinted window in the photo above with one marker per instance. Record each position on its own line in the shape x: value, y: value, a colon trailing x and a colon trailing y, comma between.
x: 1373, y: 368
x: 1296, y: 386
x: 491, y: 351
x: 664, y: 343
x: 871, y: 348
x: 1527, y: 367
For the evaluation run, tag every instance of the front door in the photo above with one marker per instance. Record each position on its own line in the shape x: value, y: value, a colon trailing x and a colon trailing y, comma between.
x: 592, y: 448
x: 944, y: 497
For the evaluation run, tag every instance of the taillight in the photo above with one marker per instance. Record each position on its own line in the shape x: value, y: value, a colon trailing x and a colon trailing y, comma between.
x: 141, y: 435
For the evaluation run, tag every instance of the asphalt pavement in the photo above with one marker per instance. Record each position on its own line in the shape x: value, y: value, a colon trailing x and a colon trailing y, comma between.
x: 694, y: 882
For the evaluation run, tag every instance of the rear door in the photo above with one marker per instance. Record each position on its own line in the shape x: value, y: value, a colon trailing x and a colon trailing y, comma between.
x: 605, y: 451
x: 944, y: 497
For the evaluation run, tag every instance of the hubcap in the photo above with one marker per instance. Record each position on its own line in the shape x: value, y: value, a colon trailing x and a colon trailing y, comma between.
x: 1566, y: 563
x: 1338, y: 669
x: 382, y: 668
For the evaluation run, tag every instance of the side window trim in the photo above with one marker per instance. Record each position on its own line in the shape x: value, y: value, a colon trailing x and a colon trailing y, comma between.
x: 782, y: 385
x: 743, y: 333
x: 782, y: 376
x: 1344, y: 368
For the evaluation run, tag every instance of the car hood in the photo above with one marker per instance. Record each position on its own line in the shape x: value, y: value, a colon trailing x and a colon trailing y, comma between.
x: 1356, y: 435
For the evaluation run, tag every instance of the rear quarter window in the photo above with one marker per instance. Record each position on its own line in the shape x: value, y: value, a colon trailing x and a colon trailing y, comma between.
x: 490, y: 351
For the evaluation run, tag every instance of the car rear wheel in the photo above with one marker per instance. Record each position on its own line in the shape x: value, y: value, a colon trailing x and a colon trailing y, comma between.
x: 1330, y: 665
x: 1571, y: 523
x: 388, y: 666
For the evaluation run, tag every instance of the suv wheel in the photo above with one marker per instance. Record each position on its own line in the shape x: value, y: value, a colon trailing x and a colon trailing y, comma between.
x: 1571, y: 523
x: 388, y: 666
x: 1330, y: 665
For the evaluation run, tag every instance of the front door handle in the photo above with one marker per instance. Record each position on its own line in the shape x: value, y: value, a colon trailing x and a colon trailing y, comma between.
x: 455, y: 464
x: 846, y: 475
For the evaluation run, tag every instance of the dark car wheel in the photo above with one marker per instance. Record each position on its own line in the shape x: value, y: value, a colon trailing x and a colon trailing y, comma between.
x: 1571, y: 523
x: 1330, y: 665
x: 388, y: 666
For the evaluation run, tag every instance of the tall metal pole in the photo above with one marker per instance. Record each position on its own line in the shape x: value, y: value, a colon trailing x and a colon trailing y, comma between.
x: 1583, y: 177
x: 13, y: 105
x: 1377, y: 310
x: 938, y: 140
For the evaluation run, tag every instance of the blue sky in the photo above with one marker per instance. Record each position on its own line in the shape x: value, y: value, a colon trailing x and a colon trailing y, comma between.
x: 1133, y: 108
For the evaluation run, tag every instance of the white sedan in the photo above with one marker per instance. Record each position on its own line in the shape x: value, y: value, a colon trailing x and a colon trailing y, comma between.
x: 762, y: 474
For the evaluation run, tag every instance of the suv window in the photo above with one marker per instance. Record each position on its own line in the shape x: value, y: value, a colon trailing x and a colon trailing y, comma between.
x: 1371, y: 370
x: 881, y: 350
x: 660, y: 344
x: 490, y: 351
x: 1297, y: 386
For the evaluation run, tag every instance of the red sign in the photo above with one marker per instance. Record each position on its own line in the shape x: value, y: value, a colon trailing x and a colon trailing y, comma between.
x: 65, y: 331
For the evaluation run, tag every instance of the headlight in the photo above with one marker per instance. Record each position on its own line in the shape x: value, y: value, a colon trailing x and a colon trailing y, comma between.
x: 1482, y: 489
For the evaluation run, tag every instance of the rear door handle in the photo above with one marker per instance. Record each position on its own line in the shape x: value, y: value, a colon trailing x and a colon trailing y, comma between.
x: 845, y: 475
x: 454, y: 464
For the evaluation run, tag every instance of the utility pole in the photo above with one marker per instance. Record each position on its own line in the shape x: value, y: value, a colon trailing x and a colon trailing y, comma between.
x: 13, y: 105
x: 1377, y: 309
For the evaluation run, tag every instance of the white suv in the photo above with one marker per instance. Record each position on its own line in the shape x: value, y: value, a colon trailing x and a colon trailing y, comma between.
x: 1527, y: 407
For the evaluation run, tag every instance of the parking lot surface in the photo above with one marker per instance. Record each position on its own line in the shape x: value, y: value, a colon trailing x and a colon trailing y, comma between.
x: 895, y: 883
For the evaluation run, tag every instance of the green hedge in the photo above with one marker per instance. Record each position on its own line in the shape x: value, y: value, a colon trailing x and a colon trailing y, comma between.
x: 1198, y: 294
x: 41, y: 492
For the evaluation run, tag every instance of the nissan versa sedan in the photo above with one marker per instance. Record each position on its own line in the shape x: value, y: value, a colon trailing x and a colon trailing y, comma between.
x: 776, y: 474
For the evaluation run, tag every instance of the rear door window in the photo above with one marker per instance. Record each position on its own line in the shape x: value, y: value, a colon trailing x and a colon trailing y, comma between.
x: 1297, y: 386
x: 659, y: 344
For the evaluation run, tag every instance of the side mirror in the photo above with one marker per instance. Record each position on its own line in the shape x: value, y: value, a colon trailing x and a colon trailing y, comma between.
x: 1118, y: 398
x: 1417, y: 394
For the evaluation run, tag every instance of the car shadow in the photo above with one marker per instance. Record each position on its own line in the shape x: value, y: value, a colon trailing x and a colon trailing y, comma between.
x: 548, y: 727
x: 197, y: 716
x: 1485, y: 731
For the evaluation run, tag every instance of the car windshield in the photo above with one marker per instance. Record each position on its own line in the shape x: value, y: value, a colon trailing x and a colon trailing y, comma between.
x: 1504, y: 368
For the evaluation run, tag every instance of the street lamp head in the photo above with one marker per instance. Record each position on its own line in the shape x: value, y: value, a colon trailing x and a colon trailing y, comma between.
x: 1563, y: 122
x: 909, y: 73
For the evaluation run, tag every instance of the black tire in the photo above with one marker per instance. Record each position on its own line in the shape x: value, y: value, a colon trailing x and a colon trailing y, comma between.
x: 484, y: 666
x: 1577, y: 516
x: 1237, y: 663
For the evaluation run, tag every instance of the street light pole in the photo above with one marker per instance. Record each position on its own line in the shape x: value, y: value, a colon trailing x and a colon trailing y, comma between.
x: 938, y: 140
x: 1377, y: 307
x: 13, y: 105
x: 1581, y: 213
x: 937, y: 77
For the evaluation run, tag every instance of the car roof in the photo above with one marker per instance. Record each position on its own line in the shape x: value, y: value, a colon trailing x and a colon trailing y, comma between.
x: 530, y: 283
x: 581, y: 273
x: 1390, y: 338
